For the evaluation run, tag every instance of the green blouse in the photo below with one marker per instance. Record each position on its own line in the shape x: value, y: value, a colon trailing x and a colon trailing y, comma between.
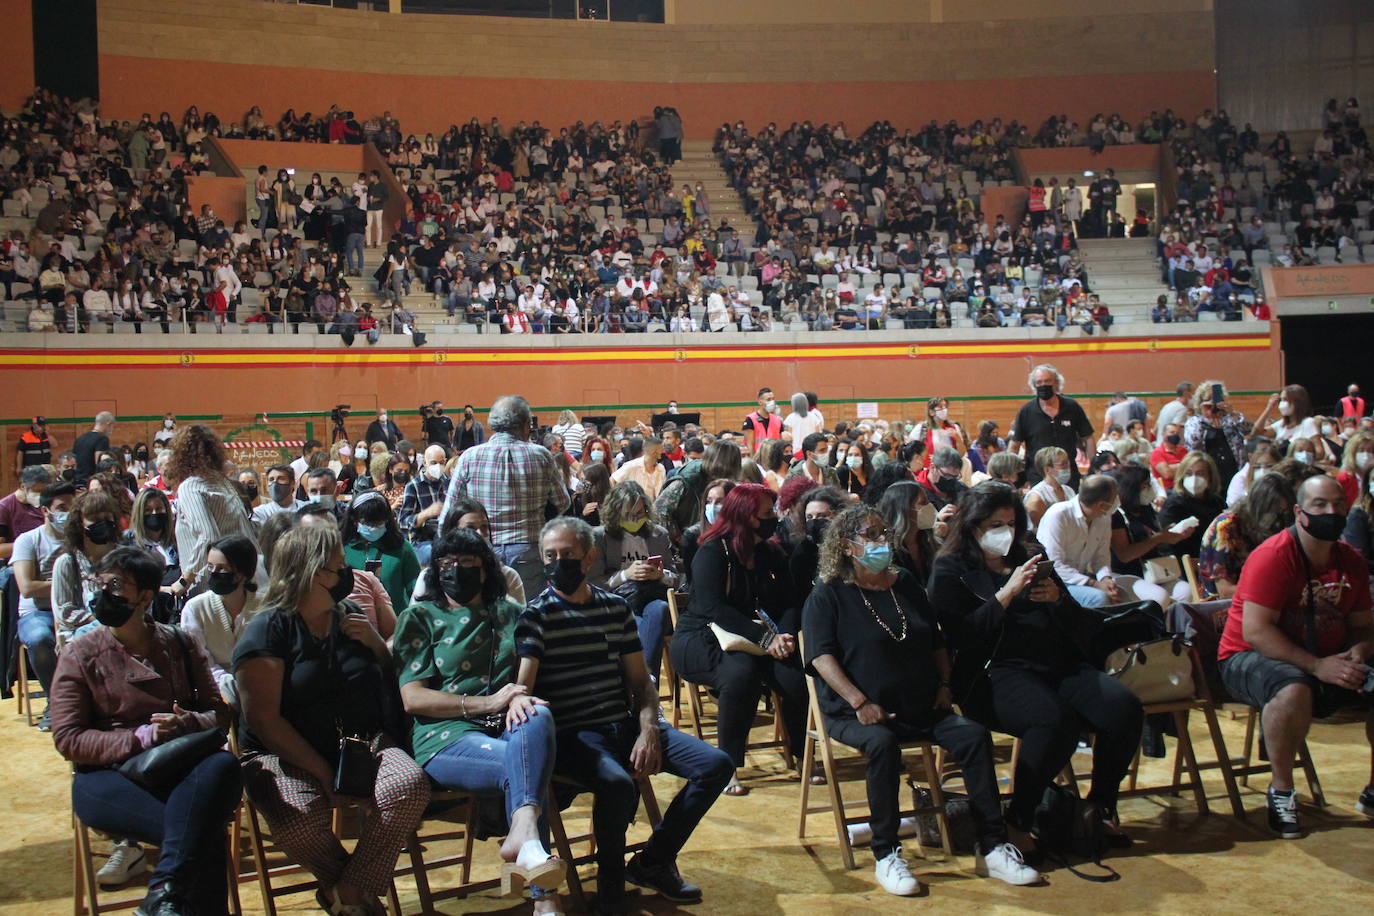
x: 456, y: 650
x: 398, y: 572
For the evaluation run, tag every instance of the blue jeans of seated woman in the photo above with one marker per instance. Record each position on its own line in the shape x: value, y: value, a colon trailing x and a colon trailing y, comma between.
x: 654, y: 625
x: 517, y: 764
x: 36, y: 633
x: 186, y: 822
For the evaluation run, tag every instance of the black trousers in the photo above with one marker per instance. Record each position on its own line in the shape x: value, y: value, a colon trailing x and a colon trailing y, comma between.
x: 739, y: 680
x: 969, y: 743
x: 1048, y: 714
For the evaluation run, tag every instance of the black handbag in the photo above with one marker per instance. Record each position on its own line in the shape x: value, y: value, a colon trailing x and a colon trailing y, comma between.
x: 168, y: 763
x: 355, y: 774
x: 1101, y: 631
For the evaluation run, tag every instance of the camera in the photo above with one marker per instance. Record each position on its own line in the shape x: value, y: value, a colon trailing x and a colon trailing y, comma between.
x: 426, y: 410
x: 340, y: 413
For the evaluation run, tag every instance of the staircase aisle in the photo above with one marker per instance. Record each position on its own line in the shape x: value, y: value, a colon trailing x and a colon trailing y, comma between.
x: 699, y: 165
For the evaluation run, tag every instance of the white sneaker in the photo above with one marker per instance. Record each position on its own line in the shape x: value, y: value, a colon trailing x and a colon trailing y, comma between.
x: 1005, y: 863
x: 895, y: 877
x: 126, y: 861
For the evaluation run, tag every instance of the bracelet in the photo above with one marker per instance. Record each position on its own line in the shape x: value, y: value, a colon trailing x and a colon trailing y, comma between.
x: 863, y: 704
x: 464, y: 700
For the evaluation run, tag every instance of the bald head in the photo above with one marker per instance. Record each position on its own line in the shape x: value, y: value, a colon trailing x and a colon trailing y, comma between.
x: 1321, y: 493
x: 436, y: 453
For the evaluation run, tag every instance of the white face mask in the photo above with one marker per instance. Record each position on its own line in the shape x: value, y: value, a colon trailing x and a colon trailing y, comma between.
x: 1303, y: 457
x: 997, y: 541
x: 168, y: 424
x: 1195, y: 484
x: 1328, y: 430
x: 770, y: 405
x: 925, y: 517
x: 942, y: 414
x: 821, y: 458
x: 1363, y: 460
x: 434, y: 471
x: 1286, y: 408
x: 32, y: 497
x: 1147, y: 498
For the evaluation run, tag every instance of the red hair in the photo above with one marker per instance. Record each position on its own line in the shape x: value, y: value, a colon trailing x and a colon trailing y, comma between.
x: 605, y: 447
x: 735, y: 524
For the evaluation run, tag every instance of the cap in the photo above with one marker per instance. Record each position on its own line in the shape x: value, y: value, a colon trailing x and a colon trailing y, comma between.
x: 40, y: 421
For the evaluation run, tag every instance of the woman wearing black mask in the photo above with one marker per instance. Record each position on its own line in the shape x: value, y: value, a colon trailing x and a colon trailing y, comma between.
x: 741, y: 592
x: 475, y: 729
x: 215, y: 619
x: 152, y: 526
x: 811, y: 514
x: 92, y: 531
x: 311, y: 670
x: 100, y: 721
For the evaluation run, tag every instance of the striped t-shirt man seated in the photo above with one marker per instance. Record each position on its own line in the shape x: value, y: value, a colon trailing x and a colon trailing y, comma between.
x: 579, y: 650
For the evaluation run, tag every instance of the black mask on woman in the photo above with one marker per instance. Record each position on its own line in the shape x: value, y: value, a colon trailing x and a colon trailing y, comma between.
x: 461, y: 583
x: 815, y: 528
x: 767, y: 528
x: 101, y: 532
x: 156, y: 522
x: 344, y: 587
x: 222, y: 583
x: 113, y: 610
x: 565, y: 575
x: 400, y: 477
x: 251, y: 491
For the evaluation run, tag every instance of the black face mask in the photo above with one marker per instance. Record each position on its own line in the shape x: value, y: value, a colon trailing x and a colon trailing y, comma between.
x: 467, y: 416
x: 1044, y: 392
x: 344, y: 587
x: 280, y: 491
x: 251, y: 491
x: 461, y: 583
x: 1174, y: 439
x: 766, y: 529
x: 564, y: 575
x: 815, y: 528
x: 400, y: 477
x: 110, y: 609
x: 1328, y: 527
x: 222, y: 583
x: 101, y: 532
x: 69, y: 474
x: 156, y: 523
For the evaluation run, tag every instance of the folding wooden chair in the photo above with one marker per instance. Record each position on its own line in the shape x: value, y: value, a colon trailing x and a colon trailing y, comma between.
x: 1184, y: 755
x: 1246, y: 766
x: 24, y: 692
x: 86, y: 888
x: 703, y: 726
x: 852, y: 767
x: 454, y: 830
x: 564, y: 843
x: 1194, y: 582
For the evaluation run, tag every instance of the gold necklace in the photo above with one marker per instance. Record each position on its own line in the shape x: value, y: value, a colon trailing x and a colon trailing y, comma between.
x: 874, y: 611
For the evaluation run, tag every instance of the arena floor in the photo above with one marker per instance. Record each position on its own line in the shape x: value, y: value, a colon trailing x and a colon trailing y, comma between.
x: 749, y: 862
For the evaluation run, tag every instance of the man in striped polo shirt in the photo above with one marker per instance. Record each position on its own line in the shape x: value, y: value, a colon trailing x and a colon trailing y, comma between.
x: 579, y: 650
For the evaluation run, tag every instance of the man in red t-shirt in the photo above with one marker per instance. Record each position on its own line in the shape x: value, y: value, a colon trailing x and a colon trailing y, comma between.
x: 1298, y: 636
x: 1165, y: 459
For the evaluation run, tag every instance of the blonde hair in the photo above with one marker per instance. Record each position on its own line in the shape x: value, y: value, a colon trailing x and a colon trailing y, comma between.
x: 1353, y: 445
x: 1194, y: 458
x: 1049, y: 456
x: 296, y: 557
x: 142, y: 535
x: 377, y: 468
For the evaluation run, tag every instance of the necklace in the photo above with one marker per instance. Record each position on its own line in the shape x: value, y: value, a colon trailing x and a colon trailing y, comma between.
x: 874, y: 611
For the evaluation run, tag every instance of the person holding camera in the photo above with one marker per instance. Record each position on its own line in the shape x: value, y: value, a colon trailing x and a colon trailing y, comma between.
x: 1299, y: 638
x: 1215, y: 429
x: 1011, y: 630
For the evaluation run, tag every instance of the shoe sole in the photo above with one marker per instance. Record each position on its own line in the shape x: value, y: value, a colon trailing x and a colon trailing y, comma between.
x: 670, y: 897
x: 1366, y: 810
x: 108, y: 885
x: 981, y: 870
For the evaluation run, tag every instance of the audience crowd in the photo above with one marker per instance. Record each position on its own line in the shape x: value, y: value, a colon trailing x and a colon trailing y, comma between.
x: 381, y: 616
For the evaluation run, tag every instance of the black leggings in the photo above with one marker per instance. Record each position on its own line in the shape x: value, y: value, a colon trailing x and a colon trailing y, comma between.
x: 1048, y: 716
x: 740, y: 678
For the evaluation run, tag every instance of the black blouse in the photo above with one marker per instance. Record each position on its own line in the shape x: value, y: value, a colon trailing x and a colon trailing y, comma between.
x: 726, y: 593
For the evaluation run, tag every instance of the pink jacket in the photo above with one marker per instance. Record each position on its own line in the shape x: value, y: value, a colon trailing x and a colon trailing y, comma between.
x: 101, y: 693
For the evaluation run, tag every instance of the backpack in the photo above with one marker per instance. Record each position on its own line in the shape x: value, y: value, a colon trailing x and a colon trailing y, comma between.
x: 1069, y: 826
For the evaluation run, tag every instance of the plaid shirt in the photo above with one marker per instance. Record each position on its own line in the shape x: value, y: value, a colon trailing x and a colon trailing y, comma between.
x: 420, y: 494
x: 514, y: 480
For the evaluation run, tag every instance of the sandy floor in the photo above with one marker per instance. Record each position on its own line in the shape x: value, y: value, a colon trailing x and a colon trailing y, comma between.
x: 747, y: 858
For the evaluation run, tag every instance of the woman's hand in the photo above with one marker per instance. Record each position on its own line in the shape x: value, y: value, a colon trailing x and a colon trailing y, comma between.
x: 522, y: 707
x: 590, y: 508
x: 783, y: 645
x: 1020, y: 577
x: 942, y: 520
x: 1046, y: 591
x: 871, y: 713
x: 169, y: 725
x: 357, y: 626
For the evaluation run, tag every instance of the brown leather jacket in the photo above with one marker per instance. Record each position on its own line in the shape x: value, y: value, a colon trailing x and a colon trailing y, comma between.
x: 101, y: 693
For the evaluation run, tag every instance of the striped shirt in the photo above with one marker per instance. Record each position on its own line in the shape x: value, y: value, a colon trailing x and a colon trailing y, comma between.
x: 573, y: 436
x: 579, y: 647
x: 514, y: 481
x: 207, y: 510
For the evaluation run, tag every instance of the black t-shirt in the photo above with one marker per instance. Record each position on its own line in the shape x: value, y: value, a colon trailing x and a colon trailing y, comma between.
x: 34, y: 449
x: 439, y: 429
x: 85, y: 448
x: 1038, y: 430
x: 330, y: 685
x: 901, y: 677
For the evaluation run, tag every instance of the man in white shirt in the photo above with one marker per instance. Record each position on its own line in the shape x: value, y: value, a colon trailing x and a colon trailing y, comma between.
x: 646, y: 469
x: 224, y: 273
x: 98, y: 306
x: 1077, y: 536
x: 302, y: 464
x: 32, y: 560
x: 1174, y: 412
x: 281, y: 494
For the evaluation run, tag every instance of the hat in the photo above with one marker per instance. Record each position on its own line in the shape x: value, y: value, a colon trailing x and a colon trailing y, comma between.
x: 40, y: 421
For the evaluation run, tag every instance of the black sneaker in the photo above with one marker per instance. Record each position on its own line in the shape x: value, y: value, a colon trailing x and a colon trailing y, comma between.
x: 1365, y: 804
x: 1283, y: 814
x: 164, y: 900
x: 662, y: 878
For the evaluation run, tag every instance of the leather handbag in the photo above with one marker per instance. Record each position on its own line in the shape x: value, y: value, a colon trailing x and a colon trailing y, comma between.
x: 355, y: 774
x: 1163, y: 571
x: 733, y: 642
x: 168, y: 763
x: 1160, y: 671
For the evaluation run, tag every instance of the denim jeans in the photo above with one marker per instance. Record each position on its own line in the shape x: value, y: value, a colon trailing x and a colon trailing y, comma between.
x: 597, y: 758
x: 524, y: 559
x: 353, y: 248
x: 36, y: 633
x: 186, y: 822
x: 517, y: 765
x: 1088, y: 596
x: 423, y: 552
x: 654, y: 625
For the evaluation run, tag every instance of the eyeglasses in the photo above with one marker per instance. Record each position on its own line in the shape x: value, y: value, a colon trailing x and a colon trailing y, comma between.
x: 447, y: 563
x: 875, y: 534
x: 107, y: 585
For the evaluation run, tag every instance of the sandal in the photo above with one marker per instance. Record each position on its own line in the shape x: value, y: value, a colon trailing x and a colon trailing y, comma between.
x: 533, y: 867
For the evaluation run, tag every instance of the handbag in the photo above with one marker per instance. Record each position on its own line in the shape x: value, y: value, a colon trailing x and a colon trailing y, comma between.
x: 1066, y: 825
x: 355, y: 773
x: 1163, y: 571
x: 168, y: 763
x: 1159, y: 671
x: 733, y: 642
x: 1099, y: 632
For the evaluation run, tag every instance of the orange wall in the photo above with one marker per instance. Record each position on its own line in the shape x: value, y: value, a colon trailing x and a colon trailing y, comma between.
x: 131, y: 85
x: 323, y: 157
x: 1334, y: 280
x: 1135, y: 158
x: 1010, y: 202
x: 224, y: 195
x: 16, y: 54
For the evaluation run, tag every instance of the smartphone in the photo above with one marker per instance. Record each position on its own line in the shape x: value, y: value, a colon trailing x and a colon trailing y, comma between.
x: 656, y: 562
x: 373, y: 564
x: 1218, y: 394
x: 1043, y: 570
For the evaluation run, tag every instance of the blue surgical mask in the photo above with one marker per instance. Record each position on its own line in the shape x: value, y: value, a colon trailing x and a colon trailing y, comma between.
x: 877, y: 556
x: 712, y: 513
x: 58, y: 519
x: 371, y: 533
x: 598, y: 456
x: 854, y: 462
